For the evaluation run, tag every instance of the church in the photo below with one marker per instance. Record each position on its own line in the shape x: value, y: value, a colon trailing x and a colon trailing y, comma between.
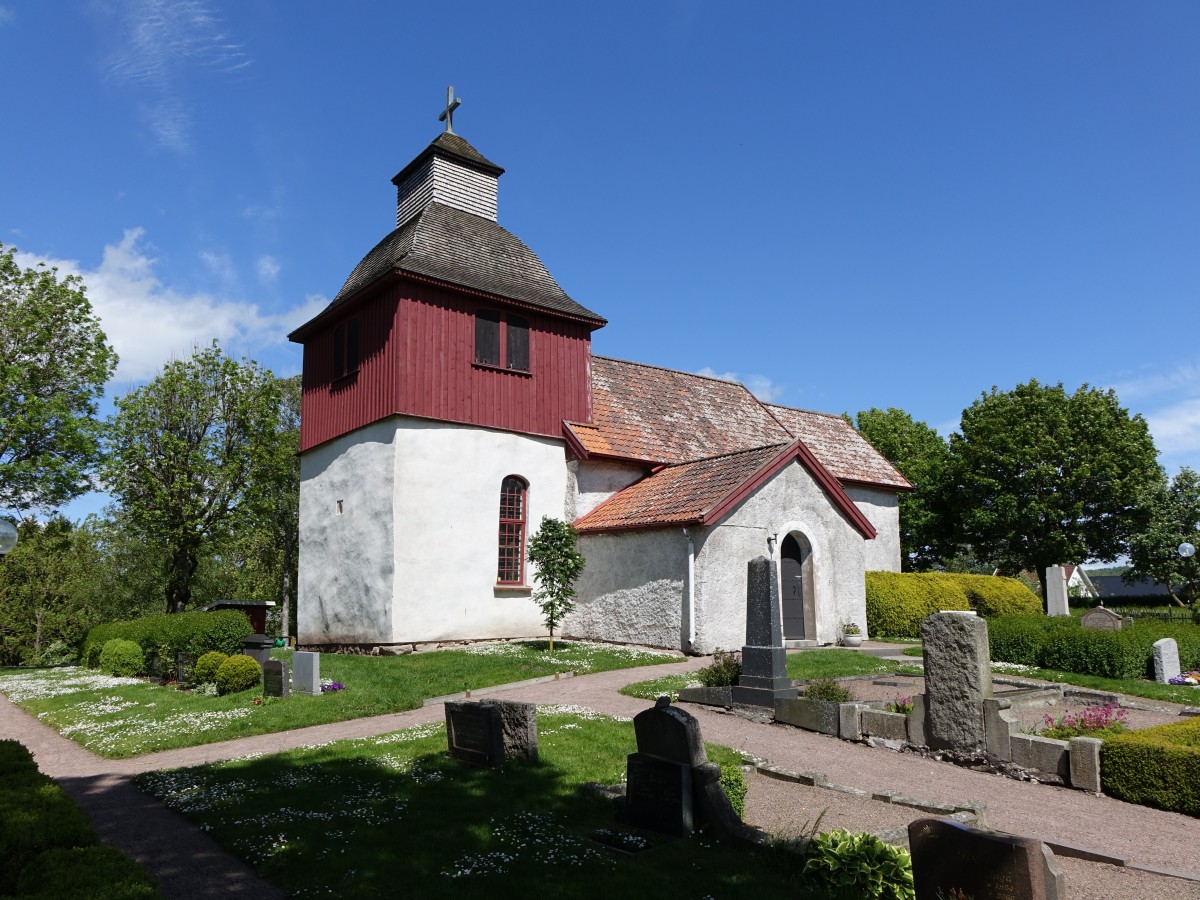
x: 451, y: 400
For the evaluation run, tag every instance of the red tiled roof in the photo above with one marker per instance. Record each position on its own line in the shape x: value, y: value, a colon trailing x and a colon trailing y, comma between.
x: 703, y: 491
x: 677, y: 495
x: 841, y: 449
x: 658, y: 416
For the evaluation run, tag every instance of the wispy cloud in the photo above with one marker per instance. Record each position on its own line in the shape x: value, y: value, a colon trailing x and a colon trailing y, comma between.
x: 160, y: 43
x: 760, y: 386
x: 268, y: 269
x: 149, y: 323
x: 1169, y: 398
x: 7, y: 16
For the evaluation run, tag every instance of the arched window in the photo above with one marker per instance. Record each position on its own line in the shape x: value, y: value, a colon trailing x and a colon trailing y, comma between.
x: 510, y: 567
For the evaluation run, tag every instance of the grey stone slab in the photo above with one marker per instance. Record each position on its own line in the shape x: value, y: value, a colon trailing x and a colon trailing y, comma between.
x: 1101, y: 619
x: 306, y: 672
x: 1056, y: 592
x: 985, y: 865
x: 850, y: 721
x: 888, y: 726
x: 658, y: 795
x: 917, y: 722
x: 958, y: 678
x: 999, y: 724
x: 813, y: 715
x: 1166, y: 660
x: 1044, y: 754
x: 709, y: 696
x: 1085, y: 763
x: 276, y: 681
x: 491, y: 732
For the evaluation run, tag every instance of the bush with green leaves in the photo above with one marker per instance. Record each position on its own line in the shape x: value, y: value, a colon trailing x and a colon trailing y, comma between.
x: 897, y: 602
x: 858, y: 865
x: 122, y: 658
x: 1157, y: 766
x: 162, y: 636
x: 826, y: 689
x: 207, y: 665
x: 733, y: 780
x: 238, y: 673
x: 723, y: 671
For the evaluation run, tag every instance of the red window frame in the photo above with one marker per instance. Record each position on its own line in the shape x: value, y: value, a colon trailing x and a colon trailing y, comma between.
x: 510, y: 562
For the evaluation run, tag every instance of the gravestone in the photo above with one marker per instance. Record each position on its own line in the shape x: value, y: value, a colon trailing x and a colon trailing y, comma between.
x: 671, y: 787
x: 1056, y: 592
x: 1101, y: 619
x: 958, y: 678
x: 491, y: 732
x: 1166, y: 660
x: 306, y: 672
x: 276, y: 682
x: 983, y: 865
x: 764, y: 677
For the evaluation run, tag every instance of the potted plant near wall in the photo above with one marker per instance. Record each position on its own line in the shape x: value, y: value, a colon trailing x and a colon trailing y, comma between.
x: 851, y: 634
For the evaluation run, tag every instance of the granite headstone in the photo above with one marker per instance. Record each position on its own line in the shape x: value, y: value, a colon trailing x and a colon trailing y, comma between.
x: 306, y: 672
x: 1056, y: 592
x: 764, y: 677
x: 1166, y: 660
x: 984, y: 865
x: 491, y: 732
x: 1101, y: 619
x: 276, y: 682
x: 958, y: 678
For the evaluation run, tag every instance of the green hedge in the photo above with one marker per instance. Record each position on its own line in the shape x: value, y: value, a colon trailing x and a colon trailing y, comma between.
x: 48, y: 846
x: 1155, y: 767
x: 122, y: 658
x: 897, y: 602
x: 1059, y: 643
x: 162, y: 636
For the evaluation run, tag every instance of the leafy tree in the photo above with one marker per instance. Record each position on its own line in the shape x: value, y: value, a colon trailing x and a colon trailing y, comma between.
x: 1174, y: 519
x: 54, y: 362
x: 559, y: 565
x: 920, y: 454
x: 1040, y: 477
x: 191, y: 454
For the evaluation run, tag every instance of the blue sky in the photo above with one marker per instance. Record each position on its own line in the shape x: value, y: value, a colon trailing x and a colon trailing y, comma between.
x: 843, y: 205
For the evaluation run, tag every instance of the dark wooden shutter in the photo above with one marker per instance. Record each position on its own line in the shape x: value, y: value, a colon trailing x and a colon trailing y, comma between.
x: 352, y: 345
x: 339, y: 351
x: 487, y: 337
x: 518, y: 343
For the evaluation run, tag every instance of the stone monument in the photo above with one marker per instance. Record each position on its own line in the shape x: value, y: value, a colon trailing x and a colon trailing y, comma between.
x: 958, y: 678
x: 491, y: 732
x: 671, y: 787
x: 1056, y: 592
x: 1166, y: 660
x: 764, y: 677
x: 306, y: 672
x: 276, y: 682
x: 983, y: 865
x: 1101, y: 619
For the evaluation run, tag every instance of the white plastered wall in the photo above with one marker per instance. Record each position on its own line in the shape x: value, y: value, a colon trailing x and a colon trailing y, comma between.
x: 882, y: 509
x: 632, y: 589
x: 590, y: 483
x: 791, y: 501
x: 412, y: 556
x: 344, y: 588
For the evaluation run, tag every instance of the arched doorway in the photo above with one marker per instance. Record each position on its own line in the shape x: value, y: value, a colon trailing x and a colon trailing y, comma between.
x: 795, y: 583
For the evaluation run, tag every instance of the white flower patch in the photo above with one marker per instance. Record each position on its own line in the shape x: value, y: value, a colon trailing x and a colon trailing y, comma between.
x: 559, y: 709
x: 571, y: 654
x: 416, y: 733
x: 1012, y: 668
x: 59, y: 682
x: 532, y: 837
x: 108, y: 735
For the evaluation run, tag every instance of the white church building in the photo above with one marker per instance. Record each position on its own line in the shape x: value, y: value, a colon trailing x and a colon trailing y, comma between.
x: 451, y: 400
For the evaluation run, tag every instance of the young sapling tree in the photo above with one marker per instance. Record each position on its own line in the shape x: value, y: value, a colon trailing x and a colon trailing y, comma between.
x: 559, y: 565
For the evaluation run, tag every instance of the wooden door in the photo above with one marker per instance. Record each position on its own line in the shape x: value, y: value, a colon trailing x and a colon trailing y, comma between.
x: 791, y: 585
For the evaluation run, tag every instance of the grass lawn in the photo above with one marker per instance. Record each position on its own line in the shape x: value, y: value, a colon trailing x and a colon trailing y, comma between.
x: 121, y: 717
x: 394, y: 816
x: 800, y: 666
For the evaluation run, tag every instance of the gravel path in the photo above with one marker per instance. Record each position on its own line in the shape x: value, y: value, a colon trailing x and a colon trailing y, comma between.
x: 188, y: 864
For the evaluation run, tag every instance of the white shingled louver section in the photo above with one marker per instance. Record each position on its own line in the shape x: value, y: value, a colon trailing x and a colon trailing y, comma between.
x: 449, y: 182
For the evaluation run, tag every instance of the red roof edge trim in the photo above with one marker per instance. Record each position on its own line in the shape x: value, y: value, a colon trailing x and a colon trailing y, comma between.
x: 894, y: 488
x: 820, y: 474
x: 573, y: 443
x: 300, y: 334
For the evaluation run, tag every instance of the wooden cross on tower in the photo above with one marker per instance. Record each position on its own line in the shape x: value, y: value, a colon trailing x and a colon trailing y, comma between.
x: 447, y: 115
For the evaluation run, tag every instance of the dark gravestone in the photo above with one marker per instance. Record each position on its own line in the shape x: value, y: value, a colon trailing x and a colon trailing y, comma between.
x: 490, y: 732
x: 671, y: 786
x: 276, y: 681
x: 764, y: 677
x: 983, y: 865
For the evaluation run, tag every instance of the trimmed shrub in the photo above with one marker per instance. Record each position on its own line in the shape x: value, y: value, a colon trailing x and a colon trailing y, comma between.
x: 98, y: 873
x: 207, y: 665
x: 162, y: 636
x: 858, y: 865
x: 1018, y: 639
x: 122, y: 658
x: 1157, y: 766
x: 238, y: 673
x: 897, y: 602
x: 724, y: 670
x: 35, y: 818
x: 16, y: 764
